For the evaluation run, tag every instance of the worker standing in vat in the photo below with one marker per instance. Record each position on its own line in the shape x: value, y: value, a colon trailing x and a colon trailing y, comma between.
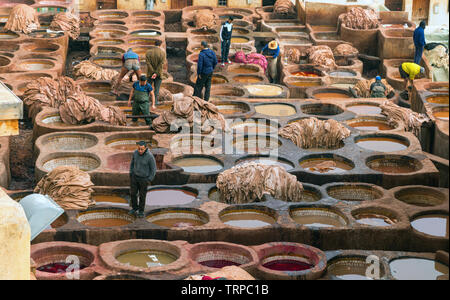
x: 226, y: 31
x: 273, y: 51
x: 140, y: 93
x: 130, y: 62
x: 207, y: 61
x: 155, y: 59
x: 419, y: 42
x: 142, y: 172
x: 377, y: 89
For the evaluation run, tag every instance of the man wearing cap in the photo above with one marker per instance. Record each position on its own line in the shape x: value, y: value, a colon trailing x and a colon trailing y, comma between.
x: 130, y: 62
x: 226, y: 32
x: 142, y: 172
x: 155, y: 59
x: 207, y: 61
x: 140, y: 94
x: 273, y: 51
x: 377, y: 89
x: 408, y: 71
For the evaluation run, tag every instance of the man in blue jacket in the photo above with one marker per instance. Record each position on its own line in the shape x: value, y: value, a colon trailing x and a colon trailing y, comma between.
x: 207, y: 61
x: 226, y: 31
x: 142, y: 172
x: 419, y: 42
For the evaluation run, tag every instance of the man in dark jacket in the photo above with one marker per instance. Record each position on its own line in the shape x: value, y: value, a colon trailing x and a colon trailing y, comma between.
x: 142, y: 172
x: 226, y: 31
x: 207, y: 61
x: 419, y: 42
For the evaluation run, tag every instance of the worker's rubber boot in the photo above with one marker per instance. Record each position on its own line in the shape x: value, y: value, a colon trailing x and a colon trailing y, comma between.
x: 132, y: 212
x: 140, y: 214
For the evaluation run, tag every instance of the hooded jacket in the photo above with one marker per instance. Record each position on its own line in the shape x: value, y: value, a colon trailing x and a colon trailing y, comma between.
x: 143, y: 166
x: 207, y: 61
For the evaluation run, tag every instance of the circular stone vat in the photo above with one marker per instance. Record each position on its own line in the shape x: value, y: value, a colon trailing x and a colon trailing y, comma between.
x: 415, y: 268
x: 382, y: 143
x: 8, y: 35
x: 420, y: 196
x: 41, y: 48
x: 375, y: 217
x: 331, y: 94
x: 239, y: 40
x: 145, y: 42
x: 394, y: 164
x: 146, y: 14
x: 317, y: 217
x: 35, y: 65
x: 110, y: 198
x: 342, y: 73
x: 431, y: 224
x: 111, y: 27
x: 218, y: 255
x: 326, y: 163
x: 310, y: 194
x: 354, y: 192
x: 350, y: 268
x: 276, y: 110
x: 227, y: 90
x: 264, y: 90
x: 69, y: 141
x: 94, y: 87
x: 364, y: 108
x: 146, y: 258
x: 370, y: 124
x: 142, y: 51
x: 43, y: 34
x: 438, y: 99
x: 170, y: 196
x: 109, y: 51
x: 440, y: 113
x: 55, y: 121
x: 266, y: 160
x: 108, y: 62
x: 105, y: 218
x: 231, y: 108
x: 112, y: 15
x: 119, y: 162
x: 321, y: 109
x: 214, y: 194
x: 254, y: 126
x: 248, y: 216
x: 109, y: 34
x: 217, y: 79
x: 85, y: 162
x: 108, y: 41
x: 198, y: 164
x: 128, y: 144
x: 255, y: 143
x: 145, y: 33
x: 248, y: 78
x: 178, y: 217
x: 243, y: 69
x: 195, y: 144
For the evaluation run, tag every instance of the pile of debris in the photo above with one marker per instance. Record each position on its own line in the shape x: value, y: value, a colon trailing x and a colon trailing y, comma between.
x: 205, y: 19
x: 321, y: 56
x: 294, y: 56
x: 314, y: 133
x: 437, y: 55
x: 22, y: 18
x: 248, y: 183
x: 89, y: 70
x: 345, y: 50
x: 284, y: 7
x: 359, y: 18
x: 253, y: 58
x: 66, y: 22
x: 362, y: 88
x: 411, y: 120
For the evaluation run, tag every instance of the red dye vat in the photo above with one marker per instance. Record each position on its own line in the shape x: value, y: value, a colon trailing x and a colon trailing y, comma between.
x: 305, y: 74
x: 57, y: 268
x: 287, y: 265
x: 218, y: 263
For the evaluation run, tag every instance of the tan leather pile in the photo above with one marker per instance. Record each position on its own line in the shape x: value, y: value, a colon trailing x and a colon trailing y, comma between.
x: 362, y: 87
x: 359, y: 18
x: 284, y: 7
x: 165, y: 95
x: 229, y: 273
x: 294, y: 56
x: 345, y: 50
x: 68, y: 186
x: 205, y: 19
x: 321, y: 56
x: 66, y: 22
x: 184, y: 109
x: 22, y: 18
x: 314, y: 133
x: 411, y: 120
x: 89, y: 70
x: 248, y: 183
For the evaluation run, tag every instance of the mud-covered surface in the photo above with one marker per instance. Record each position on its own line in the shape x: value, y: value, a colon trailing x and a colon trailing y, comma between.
x: 21, y: 158
x: 176, y: 59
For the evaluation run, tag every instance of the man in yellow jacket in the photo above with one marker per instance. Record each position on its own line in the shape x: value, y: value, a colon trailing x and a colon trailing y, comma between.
x: 409, y: 71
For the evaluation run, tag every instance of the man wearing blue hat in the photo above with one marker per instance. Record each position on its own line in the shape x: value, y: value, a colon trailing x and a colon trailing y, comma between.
x: 377, y: 89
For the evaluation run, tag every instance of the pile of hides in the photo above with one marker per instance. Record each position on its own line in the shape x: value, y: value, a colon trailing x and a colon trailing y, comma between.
x: 321, y: 56
x: 209, y: 117
x: 68, y: 186
x: 437, y: 56
x: 362, y: 87
x: 165, y: 95
x: 411, y: 120
x: 345, y: 50
x: 253, y: 58
x: 314, y: 133
x: 66, y: 22
x: 228, y: 273
x: 284, y: 7
x: 205, y: 19
x: 294, y: 56
x: 75, y: 107
x: 23, y: 18
x: 359, y: 18
x: 248, y: 183
x: 89, y: 70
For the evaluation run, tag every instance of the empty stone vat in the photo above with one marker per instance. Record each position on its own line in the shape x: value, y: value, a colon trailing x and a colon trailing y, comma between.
x: 178, y: 217
x: 67, y: 141
x: 351, y: 268
x: 420, y: 196
x: 84, y: 161
x: 393, y: 164
x: 105, y: 217
x: 354, y: 191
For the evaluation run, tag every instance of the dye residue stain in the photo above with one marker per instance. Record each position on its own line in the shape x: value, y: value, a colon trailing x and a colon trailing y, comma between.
x: 417, y: 269
x: 106, y: 222
x: 169, y: 197
x: 438, y: 99
x: 198, y: 165
x: 218, y: 263
x: 242, y: 70
x: 374, y: 220
x: 247, y: 79
x: 436, y: 225
x: 370, y: 126
x: 324, y: 96
x: 109, y: 198
x: 364, y: 109
x: 381, y: 144
x: 57, y: 267
x: 146, y: 258
x: 247, y: 219
x: 335, y: 166
x: 276, y: 110
x: 287, y: 264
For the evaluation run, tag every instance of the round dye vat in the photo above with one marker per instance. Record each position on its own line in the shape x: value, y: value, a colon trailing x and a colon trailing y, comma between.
x: 382, y: 144
x: 438, y: 99
x: 128, y: 144
x: 243, y: 70
x: 69, y: 142
x: 145, y: 42
x: 229, y: 109
x: 178, y: 218
x: 374, y: 220
x: 282, y: 262
x: 269, y: 161
x: 218, y: 79
x: 364, y: 109
x: 325, y: 165
x: 108, y: 62
x: 83, y: 162
x: 169, y: 197
x: 218, y: 263
x: 370, y: 124
x: 264, y: 90
x: 253, y: 127
x: 109, y: 198
x: 55, y: 121
x: 435, y: 225
x: 239, y: 40
x: 305, y: 83
x: 414, y: 268
x: 198, y: 164
x: 349, y: 269
x: 420, y: 196
x: 305, y: 74
x: 58, y: 267
x: 330, y: 95
x: 317, y: 217
x: 247, y: 218
x: 145, y: 33
x: 342, y: 74
x: 112, y: 15
x: 255, y: 144
x: 8, y: 35
x: 105, y: 218
x: 354, y: 192
x: 146, y: 258
x: 394, y: 165
x: 96, y: 87
x: 36, y: 65
x: 343, y: 85
x: 321, y: 109
x: 108, y: 42
x: 110, y: 33
x: 441, y: 115
x: 276, y: 110
x: 247, y: 79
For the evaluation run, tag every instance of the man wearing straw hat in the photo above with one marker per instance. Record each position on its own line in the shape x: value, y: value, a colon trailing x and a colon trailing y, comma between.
x: 142, y: 172
x: 272, y: 51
